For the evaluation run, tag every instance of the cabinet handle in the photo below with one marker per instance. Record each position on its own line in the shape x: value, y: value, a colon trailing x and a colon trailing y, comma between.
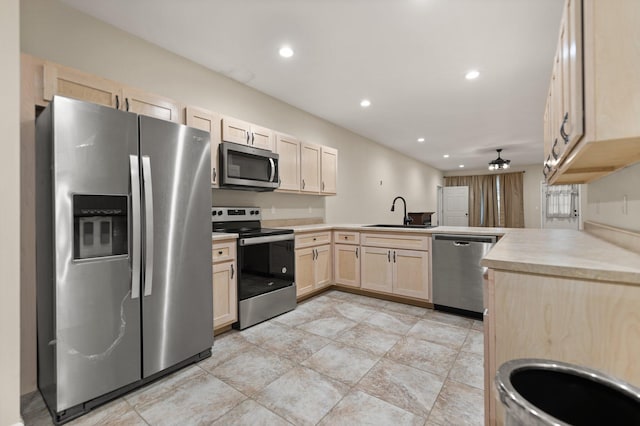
x: 564, y: 134
x: 117, y: 102
x: 248, y: 137
x: 388, y: 255
x: 220, y: 252
x: 553, y: 150
x: 323, y: 185
x: 345, y: 237
x: 126, y: 101
x: 394, y: 256
x: 356, y: 252
x: 253, y: 138
x: 302, y: 183
x: 232, y: 271
x: 214, y: 175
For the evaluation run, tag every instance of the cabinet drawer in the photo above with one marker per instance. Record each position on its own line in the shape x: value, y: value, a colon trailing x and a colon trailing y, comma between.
x: 223, y: 251
x: 313, y: 239
x: 346, y: 237
x: 398, y: 241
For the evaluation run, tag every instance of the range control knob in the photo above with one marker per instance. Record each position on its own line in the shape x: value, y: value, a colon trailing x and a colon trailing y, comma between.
x: 256, y: 212
x: 219, y: 212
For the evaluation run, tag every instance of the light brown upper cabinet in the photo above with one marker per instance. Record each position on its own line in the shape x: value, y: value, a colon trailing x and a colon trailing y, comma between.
x: 243, y: 132
x: 329, y: 170
x: 288, y: 148
x: 65, y: 81
x: 209, y: 122
x: 151, y: 105
x: 310, y: 168
x: 593, y: 110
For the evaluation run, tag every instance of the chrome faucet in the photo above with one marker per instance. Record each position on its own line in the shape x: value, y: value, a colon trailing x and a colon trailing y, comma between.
x: 406, y: 219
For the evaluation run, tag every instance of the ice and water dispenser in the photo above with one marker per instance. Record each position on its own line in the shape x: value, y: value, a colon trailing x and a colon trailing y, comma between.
x: 100, y: 226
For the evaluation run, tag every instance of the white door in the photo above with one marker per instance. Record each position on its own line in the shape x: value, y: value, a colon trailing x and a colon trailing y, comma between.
x: 560, y: 206
x: 455, y: 209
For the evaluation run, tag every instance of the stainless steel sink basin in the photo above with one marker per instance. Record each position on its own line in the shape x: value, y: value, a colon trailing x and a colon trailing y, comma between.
x: 386, y: 225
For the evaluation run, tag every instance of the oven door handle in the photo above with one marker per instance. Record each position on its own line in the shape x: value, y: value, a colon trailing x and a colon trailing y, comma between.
x: 267, y: 239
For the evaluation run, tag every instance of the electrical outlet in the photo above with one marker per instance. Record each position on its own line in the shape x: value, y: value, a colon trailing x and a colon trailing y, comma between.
x: 625, y: 206
x: 273, y: 210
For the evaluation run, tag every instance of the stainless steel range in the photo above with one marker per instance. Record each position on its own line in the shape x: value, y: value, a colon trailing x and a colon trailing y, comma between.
x: 266, y: 258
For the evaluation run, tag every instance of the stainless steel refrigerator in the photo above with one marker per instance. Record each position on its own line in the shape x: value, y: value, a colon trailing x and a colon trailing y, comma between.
x: 123, y: 252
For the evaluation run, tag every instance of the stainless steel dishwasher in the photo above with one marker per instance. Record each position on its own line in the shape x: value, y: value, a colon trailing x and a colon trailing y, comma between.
x: 457, y: 274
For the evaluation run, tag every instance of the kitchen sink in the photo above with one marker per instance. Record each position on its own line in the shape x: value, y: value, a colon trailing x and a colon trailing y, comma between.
x: 386, y: 225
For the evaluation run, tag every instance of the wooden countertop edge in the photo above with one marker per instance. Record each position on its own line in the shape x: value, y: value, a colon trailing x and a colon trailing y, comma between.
x: 612, y: 276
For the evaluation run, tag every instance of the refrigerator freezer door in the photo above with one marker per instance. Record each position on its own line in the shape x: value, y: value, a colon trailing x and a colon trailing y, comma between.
x: 177, y: 308
x: 97, y: 324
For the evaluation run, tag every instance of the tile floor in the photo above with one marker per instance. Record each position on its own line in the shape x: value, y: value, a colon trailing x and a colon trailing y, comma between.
x: 338, y: 359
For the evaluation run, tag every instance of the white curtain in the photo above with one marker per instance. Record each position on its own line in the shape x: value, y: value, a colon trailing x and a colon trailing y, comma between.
x: 561, y: 200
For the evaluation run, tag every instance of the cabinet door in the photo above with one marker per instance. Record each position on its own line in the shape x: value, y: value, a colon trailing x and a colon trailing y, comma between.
x: 225, y: 297
x: 347, y: 264
x: 310, y: 168
x: 209, y: 122
x: 411, y: 273
x: 489, y: 349
x: 149, y: 104
x: 288, y: 148
x: 59, y: 80
x: 261, y: 137
x: 376, y: 269
x: 329, y: 170
x: 236, y: 131
x: 323, y: 266
x: 305, y: 273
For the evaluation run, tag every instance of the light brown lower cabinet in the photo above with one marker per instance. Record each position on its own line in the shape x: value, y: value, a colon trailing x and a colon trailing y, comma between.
x: 401, y: 272
x: 589, y: 323
x: 347, y: 264
x: 313, y: 268
x: 346, y: 258
x: 225, y: 293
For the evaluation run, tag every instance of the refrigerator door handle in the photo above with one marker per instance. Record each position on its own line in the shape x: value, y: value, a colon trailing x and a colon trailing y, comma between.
x: 135, y: 226
x: 148, y: 211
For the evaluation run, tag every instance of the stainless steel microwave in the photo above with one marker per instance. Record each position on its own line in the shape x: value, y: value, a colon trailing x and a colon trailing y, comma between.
x: 248, y: 168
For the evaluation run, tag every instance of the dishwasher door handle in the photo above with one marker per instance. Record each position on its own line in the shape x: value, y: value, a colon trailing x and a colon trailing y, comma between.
x: 460, y: 243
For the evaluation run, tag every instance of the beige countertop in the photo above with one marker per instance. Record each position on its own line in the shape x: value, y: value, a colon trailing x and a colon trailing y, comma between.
x: 565, y: 253
x: 217, y: 236
x: 558, y: 252
x: 460, y: 230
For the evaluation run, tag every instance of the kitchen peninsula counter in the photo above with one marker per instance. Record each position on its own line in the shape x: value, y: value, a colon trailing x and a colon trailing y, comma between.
x: 558, y: 252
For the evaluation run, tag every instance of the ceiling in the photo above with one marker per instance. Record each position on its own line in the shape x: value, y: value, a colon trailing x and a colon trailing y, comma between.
x: 408, y: 57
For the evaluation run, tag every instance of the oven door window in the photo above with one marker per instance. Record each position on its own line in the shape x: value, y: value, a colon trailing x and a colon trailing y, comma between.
x: 264, y: 268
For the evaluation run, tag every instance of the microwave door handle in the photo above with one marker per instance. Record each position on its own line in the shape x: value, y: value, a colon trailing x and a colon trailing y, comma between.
x: 148, y: 211
x: 273, y: 169
x: 135, y: 226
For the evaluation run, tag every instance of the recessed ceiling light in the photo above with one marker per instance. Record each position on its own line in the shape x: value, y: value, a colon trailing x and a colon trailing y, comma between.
x: 471, y: 75
x: 446, y: 156
x: 365, y: 103
x: 461, y: 166
x: 420, y: 139
x: 286, y: 52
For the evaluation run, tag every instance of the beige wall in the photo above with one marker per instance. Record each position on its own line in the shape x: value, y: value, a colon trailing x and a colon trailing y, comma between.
x: 53, y: 31
x: 10, y: 222
x: 531, y: 191
x: 605, y: 200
